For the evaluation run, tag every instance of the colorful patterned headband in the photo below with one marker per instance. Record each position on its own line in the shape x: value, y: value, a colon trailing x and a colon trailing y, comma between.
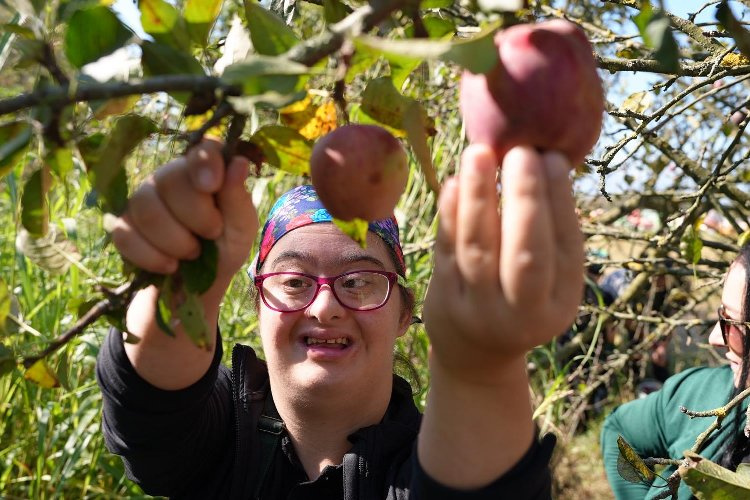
x: 301, y: 206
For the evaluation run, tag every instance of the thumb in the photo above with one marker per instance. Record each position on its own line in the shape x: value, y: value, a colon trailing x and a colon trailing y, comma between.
x: 236, y: 204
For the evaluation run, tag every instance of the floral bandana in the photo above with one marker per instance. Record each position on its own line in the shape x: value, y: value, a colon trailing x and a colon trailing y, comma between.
x: 301, y: 206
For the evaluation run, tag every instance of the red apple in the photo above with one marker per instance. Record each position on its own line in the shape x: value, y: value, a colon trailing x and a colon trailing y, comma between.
x: 359, y: 171
x: 544, y: 92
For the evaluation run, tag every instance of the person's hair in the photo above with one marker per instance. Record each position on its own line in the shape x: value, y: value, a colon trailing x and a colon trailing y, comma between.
x: 739, y: 447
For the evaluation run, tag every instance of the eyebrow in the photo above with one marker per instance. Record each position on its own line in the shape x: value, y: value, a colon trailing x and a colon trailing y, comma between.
x: 310, y: 258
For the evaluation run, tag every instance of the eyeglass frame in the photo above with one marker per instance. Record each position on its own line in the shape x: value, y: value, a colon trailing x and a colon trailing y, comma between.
x: 724, y: 322
x: 393, y: 279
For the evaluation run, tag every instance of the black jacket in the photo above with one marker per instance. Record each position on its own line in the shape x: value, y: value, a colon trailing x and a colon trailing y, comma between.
x: 210, y: 441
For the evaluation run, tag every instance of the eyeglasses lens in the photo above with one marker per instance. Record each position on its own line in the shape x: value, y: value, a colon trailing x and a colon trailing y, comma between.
x: 361, y: 290
x: 732, y: 332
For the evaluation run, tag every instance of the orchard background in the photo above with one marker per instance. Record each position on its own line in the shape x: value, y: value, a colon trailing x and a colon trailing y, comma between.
x: 94, y: 96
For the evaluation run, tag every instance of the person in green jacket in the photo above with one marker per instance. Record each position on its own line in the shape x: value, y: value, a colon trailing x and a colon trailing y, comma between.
x: 655, y: 427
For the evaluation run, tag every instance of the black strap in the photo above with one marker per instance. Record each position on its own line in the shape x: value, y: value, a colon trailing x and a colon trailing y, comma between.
x: 270, y: 429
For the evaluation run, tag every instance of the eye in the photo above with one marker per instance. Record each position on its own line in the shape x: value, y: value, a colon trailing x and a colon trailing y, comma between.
x: 354, y: 282
x: 296, y: 282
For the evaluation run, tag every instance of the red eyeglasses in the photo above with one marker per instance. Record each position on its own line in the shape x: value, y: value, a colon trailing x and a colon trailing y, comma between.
x: 357, y: 290
x: 732, y: 331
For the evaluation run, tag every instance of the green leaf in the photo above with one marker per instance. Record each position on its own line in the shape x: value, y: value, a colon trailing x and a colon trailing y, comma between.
x: 416, y: 133
x: 334, y: 11
x: 60, y: 161
x: 90, y: 149
x: 160, y: 59
x: 34, y: 213
x: 436, y: 4
x: 438, y: 27
x: 4, y: 304
x: 691, y: 245
x: 193, y: 320
x: 730, y: 23
x: 14, y: 139
x: 270, y: 35
x: 382, y: 102
x: 163, y: 315
x: 108, y: 171
x: 477, y: 54
x: 630, y: 466
x: 92, y: 33
x: 261, y: 74
x: 17, y: 30
x: 7, y: 360
x: 656, y: 30
x: 284, y: 148
x: 401, y: 68
x: 163, y: 22
x: 356, y: 229
x: 200, y: 16
x: 708, y: 480
x: 199, y: 274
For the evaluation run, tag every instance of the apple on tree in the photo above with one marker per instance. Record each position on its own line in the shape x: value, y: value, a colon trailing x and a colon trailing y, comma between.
x: 544, y: 92
x: 359, y: 171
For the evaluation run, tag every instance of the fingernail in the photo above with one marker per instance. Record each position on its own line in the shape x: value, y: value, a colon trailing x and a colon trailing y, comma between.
x: 557, y: 165
x: 206, y: 179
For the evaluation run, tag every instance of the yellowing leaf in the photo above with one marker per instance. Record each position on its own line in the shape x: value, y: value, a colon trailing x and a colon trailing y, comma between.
x: 42, y: 375
x: 743, y: 239
x: 194, y: 122
x: 309, y: 120
x: 630, y: 466
x: 284, y: 148
x: 638, y: 102
x: 356, y: 229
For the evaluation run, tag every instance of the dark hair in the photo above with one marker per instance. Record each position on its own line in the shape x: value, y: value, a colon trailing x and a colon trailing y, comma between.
x: 737, y: 449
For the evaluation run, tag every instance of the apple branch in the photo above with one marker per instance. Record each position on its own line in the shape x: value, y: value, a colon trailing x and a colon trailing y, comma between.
x: 703, y: 68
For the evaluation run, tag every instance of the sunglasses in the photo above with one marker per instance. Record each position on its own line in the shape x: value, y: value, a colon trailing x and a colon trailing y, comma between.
x: 732, y: 331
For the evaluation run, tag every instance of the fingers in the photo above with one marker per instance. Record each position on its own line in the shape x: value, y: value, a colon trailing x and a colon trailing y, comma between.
x: 527, y: 255
x: 445, y: 243
x: 477, y: 227
x: 567, y: 234
x: 236, y: 206
x: 135, y: 249
x: 157, y: 224
x: 206, y: 166
x: 192, y: 206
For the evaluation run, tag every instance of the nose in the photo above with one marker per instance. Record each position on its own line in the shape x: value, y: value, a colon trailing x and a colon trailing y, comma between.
x: 715, y: 338
x: 325, y: 306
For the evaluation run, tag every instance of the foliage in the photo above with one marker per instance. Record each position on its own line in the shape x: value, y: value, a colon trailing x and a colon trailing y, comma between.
x: 72, y: 147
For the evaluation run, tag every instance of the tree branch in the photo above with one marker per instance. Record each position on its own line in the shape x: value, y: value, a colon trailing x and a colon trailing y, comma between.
x: 702, y: 68
x: 68, y: 94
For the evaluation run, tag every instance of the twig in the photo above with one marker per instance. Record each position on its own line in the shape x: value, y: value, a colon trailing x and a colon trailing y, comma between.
x: 63, y: 94
x: 115, y: 300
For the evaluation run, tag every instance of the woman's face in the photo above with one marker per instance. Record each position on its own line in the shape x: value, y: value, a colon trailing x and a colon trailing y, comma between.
x: 363, y: 352
x: 731, y: 301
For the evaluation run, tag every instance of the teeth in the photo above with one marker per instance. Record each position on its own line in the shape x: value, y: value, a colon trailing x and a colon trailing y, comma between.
x: 340, y: 340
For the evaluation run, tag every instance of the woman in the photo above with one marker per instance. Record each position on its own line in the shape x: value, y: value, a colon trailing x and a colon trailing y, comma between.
x: 333, y: 422
x: 655, y: 427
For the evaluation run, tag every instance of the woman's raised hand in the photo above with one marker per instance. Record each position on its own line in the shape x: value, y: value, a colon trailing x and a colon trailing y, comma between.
x: 508, y: 280
x: 193, y: 196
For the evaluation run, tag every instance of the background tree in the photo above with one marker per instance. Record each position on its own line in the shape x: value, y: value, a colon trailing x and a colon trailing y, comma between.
x: 663, y: 197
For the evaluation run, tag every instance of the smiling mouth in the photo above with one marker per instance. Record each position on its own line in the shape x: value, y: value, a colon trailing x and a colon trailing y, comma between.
x: 338, y: 343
